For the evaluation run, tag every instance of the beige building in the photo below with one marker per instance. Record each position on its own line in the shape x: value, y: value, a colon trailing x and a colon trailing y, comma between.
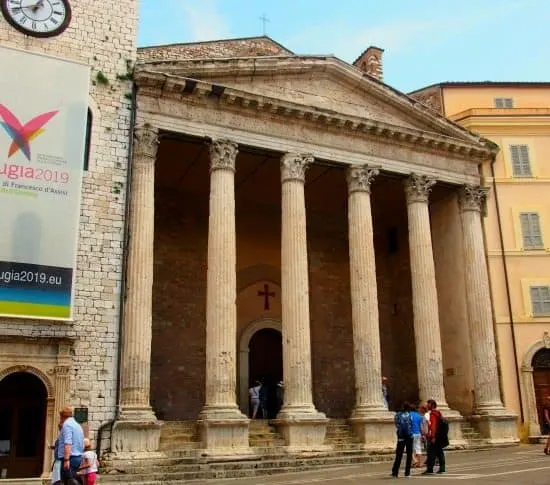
x: 515, y: 116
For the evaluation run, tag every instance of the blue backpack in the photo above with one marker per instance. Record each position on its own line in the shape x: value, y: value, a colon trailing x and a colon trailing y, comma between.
x: 403, y: 423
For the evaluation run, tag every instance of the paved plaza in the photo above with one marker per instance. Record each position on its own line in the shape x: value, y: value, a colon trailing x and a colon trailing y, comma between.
x: 524, y: 465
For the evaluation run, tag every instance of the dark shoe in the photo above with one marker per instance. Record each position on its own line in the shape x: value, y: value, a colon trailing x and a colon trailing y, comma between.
x: 440, y: 471
x: 546, y: 451
x: 394, y: 475
x: 427, y: 472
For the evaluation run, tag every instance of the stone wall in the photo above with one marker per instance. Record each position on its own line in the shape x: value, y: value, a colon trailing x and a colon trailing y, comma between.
x: 102, y: 35
x: 250, y: 47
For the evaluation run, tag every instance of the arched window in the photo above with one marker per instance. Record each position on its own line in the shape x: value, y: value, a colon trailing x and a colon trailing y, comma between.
x: 88, y: 141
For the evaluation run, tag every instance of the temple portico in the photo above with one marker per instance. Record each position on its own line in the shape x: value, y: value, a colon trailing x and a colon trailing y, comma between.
x: 249, y: 206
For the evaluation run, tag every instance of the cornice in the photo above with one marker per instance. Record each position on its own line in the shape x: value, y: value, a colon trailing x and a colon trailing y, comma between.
x: 152, y: 83
x: 269, y: 65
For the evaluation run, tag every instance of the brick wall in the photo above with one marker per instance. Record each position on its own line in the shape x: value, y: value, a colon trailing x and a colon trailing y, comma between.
x: 251, y: 47
x: 102, y: 35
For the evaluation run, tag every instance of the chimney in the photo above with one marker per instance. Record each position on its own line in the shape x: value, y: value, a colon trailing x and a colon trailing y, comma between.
x: 370, y: 62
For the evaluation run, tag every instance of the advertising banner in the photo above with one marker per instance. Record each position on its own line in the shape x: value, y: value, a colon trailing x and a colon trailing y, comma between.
x: 43, y: 114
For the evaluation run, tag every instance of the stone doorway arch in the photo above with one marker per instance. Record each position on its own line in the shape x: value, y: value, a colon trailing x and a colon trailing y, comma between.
x: 244, y: 350
x: 537, y: 355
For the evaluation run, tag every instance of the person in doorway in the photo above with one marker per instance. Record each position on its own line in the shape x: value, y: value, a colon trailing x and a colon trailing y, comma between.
x: 264, y: 400
x: 404, y: 430
x: 417, y: 421
x: 546, y: 424
x: 280, y: 392
x: 71, y: 445
x: 254, y: 395
x: 435, y: 448
x: 385, y: 394
x: 90, y: 464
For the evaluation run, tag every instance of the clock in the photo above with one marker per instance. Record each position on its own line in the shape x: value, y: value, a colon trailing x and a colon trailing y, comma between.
x: 38, y: 18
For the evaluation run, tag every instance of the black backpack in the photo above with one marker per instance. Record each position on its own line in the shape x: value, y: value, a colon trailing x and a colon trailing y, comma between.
x: 442, y: 436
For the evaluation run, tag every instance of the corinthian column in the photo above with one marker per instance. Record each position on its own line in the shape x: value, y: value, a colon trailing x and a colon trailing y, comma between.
x: 136, y: 345
x: 364, y: 293
x: 137, y: 429
x: 223, y: 424
x: 478, y: 298
x: 424, y: 291
x: 372, y: 423
x: 298, y: 406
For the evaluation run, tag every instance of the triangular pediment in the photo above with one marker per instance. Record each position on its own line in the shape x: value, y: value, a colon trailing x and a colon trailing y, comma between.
x: 324, y: 83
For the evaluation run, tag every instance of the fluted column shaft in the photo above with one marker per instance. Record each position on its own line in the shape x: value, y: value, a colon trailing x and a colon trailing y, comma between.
x: 295, y: 286
x: 480, y: 315
x: 364, y: 293
x: 136, y: 350
x: 221, y: 281
x: 427, y: 334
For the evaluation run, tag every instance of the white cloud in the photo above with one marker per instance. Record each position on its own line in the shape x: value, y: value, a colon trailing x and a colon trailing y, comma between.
x: 203, y: 20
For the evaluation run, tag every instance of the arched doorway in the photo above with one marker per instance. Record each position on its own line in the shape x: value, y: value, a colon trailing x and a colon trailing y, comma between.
x: 265, y: 363
x: 260, y: 357
x: 541, y: 381
x: 23, y: 406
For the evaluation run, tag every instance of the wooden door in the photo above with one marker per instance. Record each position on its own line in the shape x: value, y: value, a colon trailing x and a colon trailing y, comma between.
x: 541, y: 379
x: 22, y: 426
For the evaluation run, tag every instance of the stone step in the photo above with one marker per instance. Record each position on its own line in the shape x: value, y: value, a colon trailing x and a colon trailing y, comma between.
x: 240, y: 469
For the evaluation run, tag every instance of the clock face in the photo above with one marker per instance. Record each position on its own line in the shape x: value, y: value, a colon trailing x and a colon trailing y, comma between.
x: 39, y: 18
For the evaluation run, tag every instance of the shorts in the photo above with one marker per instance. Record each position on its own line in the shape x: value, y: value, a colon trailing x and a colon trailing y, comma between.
x: 91, y: 478
x: 417, y: 444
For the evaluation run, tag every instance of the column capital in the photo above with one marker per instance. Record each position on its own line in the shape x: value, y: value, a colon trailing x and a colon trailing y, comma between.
x: 418, y: 187
x: 223, y: 154
x: 360, y: 178
x: 472, y: 198
x: 62, y: 370
x: 146, y: 143
x: 294, y: 166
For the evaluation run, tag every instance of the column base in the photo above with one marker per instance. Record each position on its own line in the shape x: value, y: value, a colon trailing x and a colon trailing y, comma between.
x: 135, y: 437
x: 497, y: 426
x: 303, y: 428
x: 456, y: 438
x: 375, y: 428
x: 223, y: 431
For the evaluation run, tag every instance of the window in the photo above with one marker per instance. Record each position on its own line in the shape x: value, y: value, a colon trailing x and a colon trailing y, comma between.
x: 88, y: 142
x: 540, y: 300
x: 521, y: 167
x: 504, y: 103
x: 530, y: 230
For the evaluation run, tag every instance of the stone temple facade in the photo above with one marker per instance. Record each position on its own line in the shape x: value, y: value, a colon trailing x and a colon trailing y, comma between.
x: 289, y: 218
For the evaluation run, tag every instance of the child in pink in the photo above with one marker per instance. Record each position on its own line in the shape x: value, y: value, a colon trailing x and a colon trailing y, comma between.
x: 90, y: 464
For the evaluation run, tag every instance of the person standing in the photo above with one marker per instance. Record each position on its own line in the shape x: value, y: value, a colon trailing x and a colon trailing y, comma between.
x: 546, y: 424
x: 90, y: 464
x: 254, y: 394
x: 71, y: 445
x: 435, y: 447
x: 385, y: 394
x: 417, y: 421
x: 403, y: 427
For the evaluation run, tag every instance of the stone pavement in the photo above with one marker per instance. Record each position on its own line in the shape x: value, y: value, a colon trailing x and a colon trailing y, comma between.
x: 523, y: 465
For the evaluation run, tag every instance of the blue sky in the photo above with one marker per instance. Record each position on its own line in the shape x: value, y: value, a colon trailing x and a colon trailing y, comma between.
x: 425, y: 41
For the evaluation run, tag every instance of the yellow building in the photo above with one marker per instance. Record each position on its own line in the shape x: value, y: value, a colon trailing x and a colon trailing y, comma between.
x: 516, y: 116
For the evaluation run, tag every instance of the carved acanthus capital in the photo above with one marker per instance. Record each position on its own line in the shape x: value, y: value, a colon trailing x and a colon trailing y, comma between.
x: 223, y: 154
x: 473, y: 198
x: 294, y: 166
x: 360, y: 178
x: 146, y: 143
x: 418, y: 188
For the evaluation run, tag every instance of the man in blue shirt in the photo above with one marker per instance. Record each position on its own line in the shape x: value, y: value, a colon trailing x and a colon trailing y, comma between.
x: 71, y: 444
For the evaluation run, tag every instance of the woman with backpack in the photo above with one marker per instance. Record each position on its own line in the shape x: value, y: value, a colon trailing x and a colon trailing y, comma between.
x: 404, y: 430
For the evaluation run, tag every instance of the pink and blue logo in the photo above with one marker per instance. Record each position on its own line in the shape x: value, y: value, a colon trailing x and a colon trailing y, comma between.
x: 22, y: 134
